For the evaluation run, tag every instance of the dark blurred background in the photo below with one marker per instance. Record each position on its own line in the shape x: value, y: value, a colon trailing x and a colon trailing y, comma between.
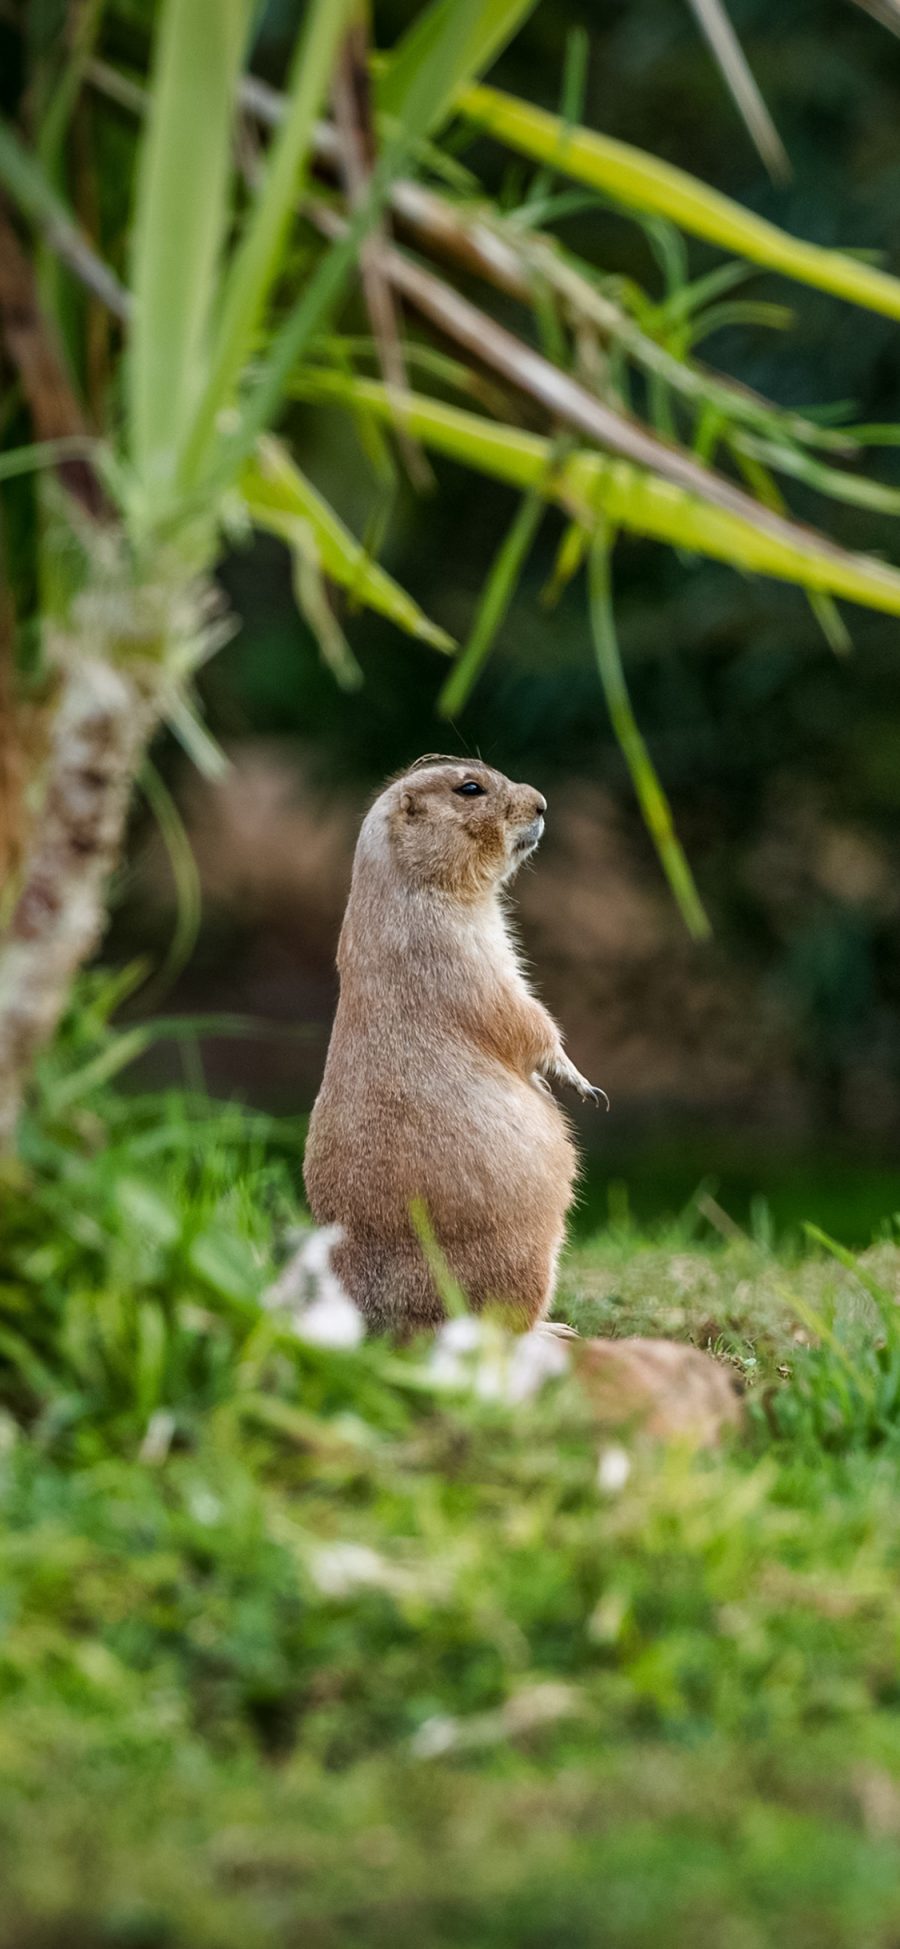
x: 769, y: 1061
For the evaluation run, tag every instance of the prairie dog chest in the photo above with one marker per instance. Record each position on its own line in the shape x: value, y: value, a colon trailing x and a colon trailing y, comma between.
x: 485, y: 955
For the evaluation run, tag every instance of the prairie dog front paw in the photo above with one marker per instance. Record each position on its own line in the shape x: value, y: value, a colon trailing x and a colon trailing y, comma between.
x: 567, y: 1073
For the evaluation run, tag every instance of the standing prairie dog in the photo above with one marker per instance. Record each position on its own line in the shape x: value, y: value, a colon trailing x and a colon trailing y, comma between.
x: 436, y: 1086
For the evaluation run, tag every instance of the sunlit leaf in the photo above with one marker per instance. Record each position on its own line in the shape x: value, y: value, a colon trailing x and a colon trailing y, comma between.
x: 279, y: 497
x: 642, y: 182
x: 588, y: 485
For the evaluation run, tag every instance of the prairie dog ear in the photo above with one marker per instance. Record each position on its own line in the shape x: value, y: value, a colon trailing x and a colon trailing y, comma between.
x: 407, y: 803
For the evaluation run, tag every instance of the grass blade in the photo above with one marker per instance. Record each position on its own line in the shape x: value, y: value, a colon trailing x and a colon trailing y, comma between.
x: 883, y: 1300
x: 46, y: 453
x: 312, y: 598
x: 651, y: 797
x: 642, y: 182
x: 540, y: 202
x: 496, y: 597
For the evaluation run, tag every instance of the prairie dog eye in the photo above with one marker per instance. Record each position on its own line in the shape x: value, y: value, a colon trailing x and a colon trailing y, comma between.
x: 469, y: 790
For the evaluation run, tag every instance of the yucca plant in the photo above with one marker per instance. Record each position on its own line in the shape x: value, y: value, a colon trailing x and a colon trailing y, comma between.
x: 253, y: 217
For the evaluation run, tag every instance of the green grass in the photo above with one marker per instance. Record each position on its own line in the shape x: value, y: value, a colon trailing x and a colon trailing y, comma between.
x: 335, y: 1655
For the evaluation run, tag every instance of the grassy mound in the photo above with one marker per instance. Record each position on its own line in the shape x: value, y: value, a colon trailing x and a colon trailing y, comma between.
x: 306, y: 1644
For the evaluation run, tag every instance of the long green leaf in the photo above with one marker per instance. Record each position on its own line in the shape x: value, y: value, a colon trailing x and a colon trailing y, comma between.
x: 280, y: 499
x: 651, y: 797
x: 499, y: 589
x: 462, y: 35
x: 642, y: 182
x: 255, y: 264
x: 591, y: 487
x: 182, y: 207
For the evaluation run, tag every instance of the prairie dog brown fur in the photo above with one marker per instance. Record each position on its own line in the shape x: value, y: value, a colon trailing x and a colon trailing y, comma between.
x: 436, y: 1085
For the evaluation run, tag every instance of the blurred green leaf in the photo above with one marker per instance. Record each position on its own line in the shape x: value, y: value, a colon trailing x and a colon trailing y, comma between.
x: 651, y: 797
x: 282, y: 500
x: 226, y: 1264
x: 592, y: 488
x: 642, y: 182
x: 462, y: 36
x: 182, y: 210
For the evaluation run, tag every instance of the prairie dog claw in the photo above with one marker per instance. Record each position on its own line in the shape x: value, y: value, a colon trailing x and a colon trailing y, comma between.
x: 590, y: 1092
x: 566, y: 1072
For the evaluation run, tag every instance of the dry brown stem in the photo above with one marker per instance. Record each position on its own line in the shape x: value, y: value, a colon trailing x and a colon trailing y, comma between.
x: 35, y: 356
x: 357, y: 150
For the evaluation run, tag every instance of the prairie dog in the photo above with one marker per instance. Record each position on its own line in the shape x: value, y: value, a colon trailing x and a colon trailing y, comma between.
x: 436, y: 1085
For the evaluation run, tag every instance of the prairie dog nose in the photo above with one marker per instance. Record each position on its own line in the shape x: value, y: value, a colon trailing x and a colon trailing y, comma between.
x: 540, y: 806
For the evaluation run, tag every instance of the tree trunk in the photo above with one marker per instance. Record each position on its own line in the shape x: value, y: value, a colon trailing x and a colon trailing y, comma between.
x: 11, y: 779
x: 102, y: 725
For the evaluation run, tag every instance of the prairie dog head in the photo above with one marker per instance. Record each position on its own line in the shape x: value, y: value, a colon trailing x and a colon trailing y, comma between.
x: 458, y: 825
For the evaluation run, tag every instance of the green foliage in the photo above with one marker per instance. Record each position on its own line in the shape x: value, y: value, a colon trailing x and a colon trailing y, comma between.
x: 240, y: 260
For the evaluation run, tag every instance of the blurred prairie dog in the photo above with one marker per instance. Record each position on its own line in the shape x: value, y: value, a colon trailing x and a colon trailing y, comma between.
x: 436, y: 1085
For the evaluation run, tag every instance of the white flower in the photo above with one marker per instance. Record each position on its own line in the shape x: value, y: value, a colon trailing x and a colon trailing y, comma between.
x: 319, y: 1310
x: 613, y: 1469
x: 314, y: 1253
x: 450, y: 1361
x: 465, y: 1334
x: 436, y: 1736
x: 497, y: 1366
x: 331, y: 1320
x: 339, y: 1569
x: 205, y: 1507
x: 540, y: 1704
x: 537, y: 1357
